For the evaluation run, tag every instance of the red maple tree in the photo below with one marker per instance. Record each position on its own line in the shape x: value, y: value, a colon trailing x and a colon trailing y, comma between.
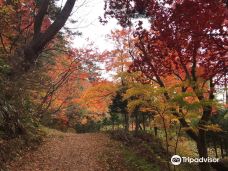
x: 188, y: 41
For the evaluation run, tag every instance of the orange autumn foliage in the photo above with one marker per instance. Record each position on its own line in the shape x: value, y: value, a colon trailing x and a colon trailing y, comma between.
x: 98, y: 97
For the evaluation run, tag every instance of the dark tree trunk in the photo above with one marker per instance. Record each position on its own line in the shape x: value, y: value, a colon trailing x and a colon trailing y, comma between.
x: 156, y: 131
x: 126, y: 121
x: 225, y: 145
x: 140, y: 127
x: 40, y: 40
x: 144, y: 123
x: 221, y: 147
x: 202, y: 150
x: 136, y: 123
x: 150, y: 122
x: 25, y: 56
x: 215, y: 147
x: 113, y: 126
x: 201, y: 142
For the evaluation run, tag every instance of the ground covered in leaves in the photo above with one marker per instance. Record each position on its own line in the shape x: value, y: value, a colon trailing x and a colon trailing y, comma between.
x: 72, y: 152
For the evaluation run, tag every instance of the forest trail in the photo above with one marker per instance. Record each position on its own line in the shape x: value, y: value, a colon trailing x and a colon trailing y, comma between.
x: 72, y: 152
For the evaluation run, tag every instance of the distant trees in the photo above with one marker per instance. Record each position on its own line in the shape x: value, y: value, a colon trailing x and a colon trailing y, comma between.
x: 97, y: 97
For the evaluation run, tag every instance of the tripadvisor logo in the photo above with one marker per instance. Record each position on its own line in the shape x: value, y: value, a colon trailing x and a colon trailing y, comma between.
x: 176, y: 160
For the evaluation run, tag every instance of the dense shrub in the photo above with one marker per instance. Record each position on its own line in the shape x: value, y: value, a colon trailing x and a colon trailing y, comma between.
x: 90, y: 126
x: 13, y: 148
x: 143, y: 144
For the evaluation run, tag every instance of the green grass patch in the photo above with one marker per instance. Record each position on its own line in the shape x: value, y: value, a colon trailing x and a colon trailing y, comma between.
x: 137, y: 163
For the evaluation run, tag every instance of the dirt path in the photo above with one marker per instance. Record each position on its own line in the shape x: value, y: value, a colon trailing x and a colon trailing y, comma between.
x: 72, y: 152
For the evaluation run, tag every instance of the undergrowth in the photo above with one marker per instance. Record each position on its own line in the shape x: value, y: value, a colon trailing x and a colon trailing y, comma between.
x: 142, y: 151
x: 11, y: 149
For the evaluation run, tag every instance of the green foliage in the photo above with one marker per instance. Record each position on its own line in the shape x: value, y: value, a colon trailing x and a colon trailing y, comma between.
x: 144, y: 96
x: 16, y: 113
x: 118, y: 109
x: 119, y: 105
x: 114, y: 118
x: 144, y: 151
x: 221, y: 118
x: 91, y: 126
x: 135, y: 162
x: 217, y: 130
x: 106, y: 122
x: 4, y: 67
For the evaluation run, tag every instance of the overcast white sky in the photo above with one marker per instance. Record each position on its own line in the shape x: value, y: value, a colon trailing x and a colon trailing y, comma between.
x: 87, y: 13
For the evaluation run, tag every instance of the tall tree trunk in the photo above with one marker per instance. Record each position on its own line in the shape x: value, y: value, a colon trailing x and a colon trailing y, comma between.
x: 226, y: 91
x: 202, y: 150
x: 215, y: 147
x: 156, y: 131
x: 136, y: 123
x: 150, y: 122
x: 225, y: 145
x: 144, y: 123
x: 40, y: 39
x: 126, y: 121
x: 201, y: 142
x: 113, y: 125
x: 140, y: 127
x: 221, y: 147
